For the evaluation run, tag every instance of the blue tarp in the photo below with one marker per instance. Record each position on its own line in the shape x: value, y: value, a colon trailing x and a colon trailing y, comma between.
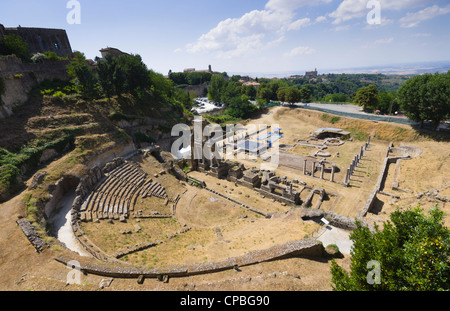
x: 264, y: 136
x: 274, y: 138
x: 251, y: 146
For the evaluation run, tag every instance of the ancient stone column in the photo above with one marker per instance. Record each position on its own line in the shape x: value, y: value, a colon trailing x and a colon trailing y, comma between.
x: 313, y: 169
x: 332, y: 173
x: 322, y: 171
x: 304, y: 166
x: 347, y: 178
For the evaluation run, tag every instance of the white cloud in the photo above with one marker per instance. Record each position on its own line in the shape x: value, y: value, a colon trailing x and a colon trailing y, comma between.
x: 421, y: 35
x: 321, y: 19
x: 341, y: 28
x: 301, y: 50
x: 378, y: 43
x: 351, y: 9
x: 237, y: 36
x: 290, y: 5
x: 254, y: 30
x: 299, y: 24
x: 414, y: 19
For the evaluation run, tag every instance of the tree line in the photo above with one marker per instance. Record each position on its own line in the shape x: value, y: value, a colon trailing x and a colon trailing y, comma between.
x: 126, y: 74
x: 423, y: 98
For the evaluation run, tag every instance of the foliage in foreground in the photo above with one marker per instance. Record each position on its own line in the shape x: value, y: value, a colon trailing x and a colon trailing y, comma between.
x: 412, y: 251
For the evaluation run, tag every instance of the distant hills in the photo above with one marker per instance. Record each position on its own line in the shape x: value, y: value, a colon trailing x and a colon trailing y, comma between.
x: 393, y: 69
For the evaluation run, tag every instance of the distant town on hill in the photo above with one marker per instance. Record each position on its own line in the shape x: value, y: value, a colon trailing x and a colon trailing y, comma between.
x: 388, y: 69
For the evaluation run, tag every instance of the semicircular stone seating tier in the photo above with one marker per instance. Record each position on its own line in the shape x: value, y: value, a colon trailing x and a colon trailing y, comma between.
x: 115, y: 196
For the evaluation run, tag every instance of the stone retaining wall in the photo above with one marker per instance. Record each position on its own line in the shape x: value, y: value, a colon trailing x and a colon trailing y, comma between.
x: 381, y: 180
x: 32, y: 236
x: 303, y: 248
x: 336, y: 220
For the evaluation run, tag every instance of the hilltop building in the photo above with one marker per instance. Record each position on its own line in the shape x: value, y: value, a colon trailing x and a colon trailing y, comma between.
x: 251, y: 83
x: 311, y: 74
x: 42, y: 39
x: 209, y: 70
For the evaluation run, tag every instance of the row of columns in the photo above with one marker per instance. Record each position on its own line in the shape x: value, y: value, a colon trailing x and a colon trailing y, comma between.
x: 355, y: 162
x: 322, y: 170
x: 350, y: 170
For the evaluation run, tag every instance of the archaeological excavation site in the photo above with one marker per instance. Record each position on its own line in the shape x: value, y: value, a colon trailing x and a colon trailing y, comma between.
x: 138, y: 215
x: 263, y: 194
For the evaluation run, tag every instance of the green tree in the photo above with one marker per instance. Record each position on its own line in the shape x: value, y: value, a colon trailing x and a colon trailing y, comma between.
x: 281, y: 94
x: 178, y: 78
x: 240, y: 107
x: 14, y: 44
x: 106, y: 75
x: 337, y: 98
x: 264, y: 93
x: 413, y: 98
x: 426, y: 98
x: 367, y: 97
x: 250, y: 91
x: 184, y: 99
x: 197, y: 78
x: 292, y: 95
x: 412, y: 251
x: 230, y: 91
x: 83, y: 76
x: 134, y: 72
x: 218, y: 83
x: 439, y: 91
x: 305, y: 95
x: 387, y: 102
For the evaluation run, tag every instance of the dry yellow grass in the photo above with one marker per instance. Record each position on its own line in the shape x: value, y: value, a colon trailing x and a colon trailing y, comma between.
x: 238, y: 235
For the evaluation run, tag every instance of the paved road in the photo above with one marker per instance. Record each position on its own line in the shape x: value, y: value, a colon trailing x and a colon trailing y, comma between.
x: 348, y: 108
x: 344, y: 108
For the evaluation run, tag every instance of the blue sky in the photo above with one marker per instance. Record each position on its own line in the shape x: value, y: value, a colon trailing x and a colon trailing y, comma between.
x: 251, y: 36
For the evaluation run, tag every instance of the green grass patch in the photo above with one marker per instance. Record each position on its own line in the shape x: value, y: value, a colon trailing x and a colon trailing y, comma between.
x: 330, y: 119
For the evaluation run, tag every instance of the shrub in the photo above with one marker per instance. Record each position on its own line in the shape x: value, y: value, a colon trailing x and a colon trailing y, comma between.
x: 15, y: 45
x: 118, y: 116
x: 9, y: 177
x: 52, y: 56
x: 38, y: 57
x: 143, y: 138
x: 330, y: 119
x: 59, y: 94
x: 412, y: 251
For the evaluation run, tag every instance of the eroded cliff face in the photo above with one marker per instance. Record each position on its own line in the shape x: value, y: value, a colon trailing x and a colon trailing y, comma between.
x: 19, y: 78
